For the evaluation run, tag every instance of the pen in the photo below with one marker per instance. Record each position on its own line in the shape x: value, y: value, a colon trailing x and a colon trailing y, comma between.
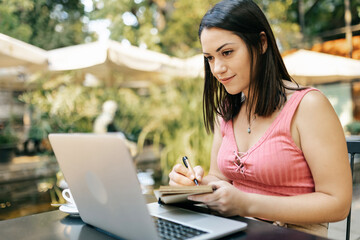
x: 188, y: 165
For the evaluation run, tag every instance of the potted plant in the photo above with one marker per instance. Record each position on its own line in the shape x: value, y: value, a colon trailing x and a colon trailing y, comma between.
x: 8, y: 142
x: 353, y: 128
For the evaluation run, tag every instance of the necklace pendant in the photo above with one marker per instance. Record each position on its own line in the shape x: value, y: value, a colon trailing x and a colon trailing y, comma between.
x: 249, y: 130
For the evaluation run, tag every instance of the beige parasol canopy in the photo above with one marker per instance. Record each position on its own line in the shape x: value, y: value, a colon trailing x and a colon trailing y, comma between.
x: 110, y: 61
x: 17, y: 59
x: 15, y: 53
x: 308, y: 67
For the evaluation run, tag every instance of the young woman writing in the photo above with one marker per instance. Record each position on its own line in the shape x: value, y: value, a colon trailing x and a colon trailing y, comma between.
x: 279, y: 152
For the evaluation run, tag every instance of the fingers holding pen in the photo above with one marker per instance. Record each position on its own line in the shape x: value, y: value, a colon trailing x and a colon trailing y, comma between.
x: 187, y: 164
x: 180, y: 175
x: 184, y: 174
x: 199, y: 173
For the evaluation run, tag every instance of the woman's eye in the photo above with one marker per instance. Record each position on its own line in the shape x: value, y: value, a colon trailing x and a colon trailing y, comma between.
x: 209, y: 58
x: 227, y: 53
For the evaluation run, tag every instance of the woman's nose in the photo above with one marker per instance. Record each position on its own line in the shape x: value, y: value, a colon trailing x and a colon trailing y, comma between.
x: 219, y: 67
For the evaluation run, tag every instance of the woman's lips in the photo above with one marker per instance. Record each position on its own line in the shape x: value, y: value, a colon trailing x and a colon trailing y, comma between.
x: 224, y: 80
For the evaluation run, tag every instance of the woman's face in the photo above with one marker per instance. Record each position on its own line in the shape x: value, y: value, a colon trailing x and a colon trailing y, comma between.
x: 228, y: 57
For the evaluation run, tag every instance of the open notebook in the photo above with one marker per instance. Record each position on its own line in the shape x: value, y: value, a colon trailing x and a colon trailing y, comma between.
x: 102, y: 178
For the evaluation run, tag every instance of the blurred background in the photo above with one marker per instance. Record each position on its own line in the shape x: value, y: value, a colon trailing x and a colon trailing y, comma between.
x: 135, y: 67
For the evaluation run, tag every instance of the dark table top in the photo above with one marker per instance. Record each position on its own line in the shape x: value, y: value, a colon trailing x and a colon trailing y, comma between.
x: 58, y: 225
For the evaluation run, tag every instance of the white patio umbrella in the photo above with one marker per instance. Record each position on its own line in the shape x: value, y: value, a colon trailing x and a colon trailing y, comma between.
x: 309, y: 67
x: 104, y: 61
x: 15, y: 53
x: 17, y: 60
x: 132, y: 65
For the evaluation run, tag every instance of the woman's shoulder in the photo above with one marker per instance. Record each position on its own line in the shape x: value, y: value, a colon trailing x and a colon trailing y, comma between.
x: 314, y: 99
x: 314, y: 103
x: 309, y: 93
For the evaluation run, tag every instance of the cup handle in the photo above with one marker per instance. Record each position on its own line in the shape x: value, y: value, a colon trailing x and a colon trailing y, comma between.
x: 67, y: 196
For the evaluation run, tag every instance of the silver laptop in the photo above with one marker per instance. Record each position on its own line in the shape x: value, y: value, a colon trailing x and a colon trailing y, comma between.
x: 103, y: 181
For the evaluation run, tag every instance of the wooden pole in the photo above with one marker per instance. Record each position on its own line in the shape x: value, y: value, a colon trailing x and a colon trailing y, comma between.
x: 348, y: 32
x: 302, y: 21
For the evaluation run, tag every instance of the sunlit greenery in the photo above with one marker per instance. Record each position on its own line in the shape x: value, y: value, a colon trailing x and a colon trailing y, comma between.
x: 8, y: 136
x: 46, y: 24
x: 168, y: 26
x: 169, y: 117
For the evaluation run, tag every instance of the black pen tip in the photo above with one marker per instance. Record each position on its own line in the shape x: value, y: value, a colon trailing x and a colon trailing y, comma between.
x: 196, y: 182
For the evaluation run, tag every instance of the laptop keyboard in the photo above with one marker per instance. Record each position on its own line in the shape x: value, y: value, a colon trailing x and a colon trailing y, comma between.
x: 172, y: 230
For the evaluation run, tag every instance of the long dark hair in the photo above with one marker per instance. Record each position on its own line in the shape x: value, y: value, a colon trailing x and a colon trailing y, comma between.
x: 266, y: 89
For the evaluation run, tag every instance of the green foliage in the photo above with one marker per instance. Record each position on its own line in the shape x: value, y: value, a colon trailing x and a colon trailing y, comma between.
x: 46, y: 24
x: 169, y: 117
x: 8, y: 135
x: 172, y: 26
x: 63, y: 106
x: 283, y: 19
x: 180, y: 36
x: 177, y: 124
x: 322, y: 16
x: 11, y: 24
x: 167, y: 26
x: 353, y: 128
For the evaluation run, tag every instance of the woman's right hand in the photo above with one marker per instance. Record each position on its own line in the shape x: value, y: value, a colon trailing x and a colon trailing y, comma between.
x: 182, y: 176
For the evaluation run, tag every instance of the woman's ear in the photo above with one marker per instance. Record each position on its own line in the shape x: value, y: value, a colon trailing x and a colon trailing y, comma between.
x: 263, y: 40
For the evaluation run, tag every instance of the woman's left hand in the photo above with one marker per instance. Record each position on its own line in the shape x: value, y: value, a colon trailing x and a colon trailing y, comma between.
x: 226, y: 199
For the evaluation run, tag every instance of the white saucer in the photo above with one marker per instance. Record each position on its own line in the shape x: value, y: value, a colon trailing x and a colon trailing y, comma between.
x: 70, y: 209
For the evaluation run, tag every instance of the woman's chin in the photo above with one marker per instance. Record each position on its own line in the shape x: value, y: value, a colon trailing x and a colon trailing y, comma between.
x: 232, y: 91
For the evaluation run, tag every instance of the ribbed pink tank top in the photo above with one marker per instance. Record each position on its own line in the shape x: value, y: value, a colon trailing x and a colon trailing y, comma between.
x: 274, y: 165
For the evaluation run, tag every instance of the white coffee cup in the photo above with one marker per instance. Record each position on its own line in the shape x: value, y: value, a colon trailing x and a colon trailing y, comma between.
x: 68, y: 196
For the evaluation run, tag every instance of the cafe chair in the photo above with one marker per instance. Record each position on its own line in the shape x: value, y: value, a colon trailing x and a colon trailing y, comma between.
x: 353, y: 148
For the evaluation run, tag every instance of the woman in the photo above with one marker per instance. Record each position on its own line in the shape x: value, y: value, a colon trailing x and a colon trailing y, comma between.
x: 279, y: 152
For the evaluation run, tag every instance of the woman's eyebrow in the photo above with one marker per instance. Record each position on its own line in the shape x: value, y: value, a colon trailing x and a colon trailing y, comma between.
x: 217, y: 50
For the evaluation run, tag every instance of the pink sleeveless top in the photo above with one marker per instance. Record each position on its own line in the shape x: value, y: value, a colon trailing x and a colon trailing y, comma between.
x: 274, y: 165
